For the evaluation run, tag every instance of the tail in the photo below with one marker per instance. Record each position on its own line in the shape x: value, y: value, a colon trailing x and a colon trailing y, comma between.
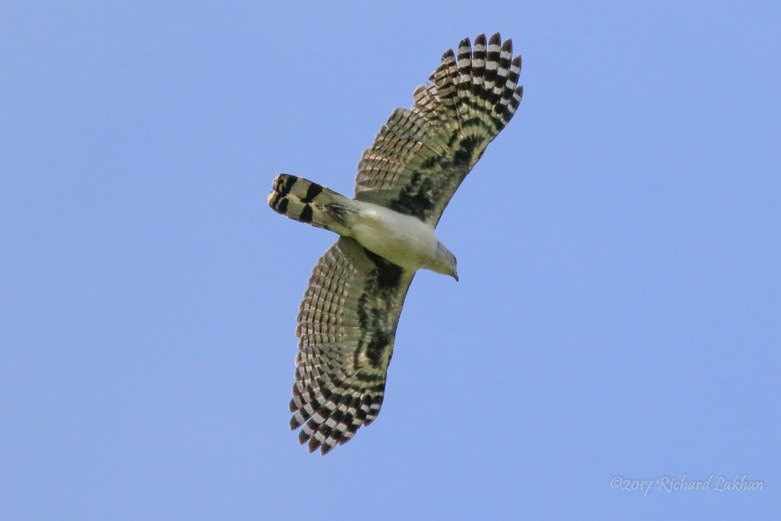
x: 310, y: 203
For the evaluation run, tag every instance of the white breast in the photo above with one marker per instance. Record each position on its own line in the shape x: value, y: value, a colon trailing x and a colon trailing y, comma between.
x: 402, y: 239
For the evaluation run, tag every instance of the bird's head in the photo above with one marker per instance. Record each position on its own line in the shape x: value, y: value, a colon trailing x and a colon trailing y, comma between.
x: 446, y: 262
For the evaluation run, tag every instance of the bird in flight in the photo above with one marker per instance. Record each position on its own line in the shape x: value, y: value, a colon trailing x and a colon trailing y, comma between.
x: 347, y: 321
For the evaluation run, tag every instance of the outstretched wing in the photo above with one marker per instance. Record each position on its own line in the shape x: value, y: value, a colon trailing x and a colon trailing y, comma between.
x: 422, y: 154
x: 346, y: 326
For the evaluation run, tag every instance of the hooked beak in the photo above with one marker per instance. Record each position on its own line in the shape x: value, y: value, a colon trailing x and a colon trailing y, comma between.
x: 455, y: 276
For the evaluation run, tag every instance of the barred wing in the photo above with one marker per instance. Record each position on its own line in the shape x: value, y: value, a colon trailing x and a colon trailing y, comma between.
x: 346, y: 326
x: 421, y: 155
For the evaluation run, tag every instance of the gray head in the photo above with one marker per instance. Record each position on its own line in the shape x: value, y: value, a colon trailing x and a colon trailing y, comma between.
x: 445, y: 262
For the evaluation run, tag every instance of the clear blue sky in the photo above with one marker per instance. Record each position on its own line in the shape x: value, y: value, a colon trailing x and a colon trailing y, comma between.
x: 619, y: 246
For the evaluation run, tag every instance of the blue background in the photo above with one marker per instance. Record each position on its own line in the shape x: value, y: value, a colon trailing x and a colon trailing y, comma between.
x: 619, y: 248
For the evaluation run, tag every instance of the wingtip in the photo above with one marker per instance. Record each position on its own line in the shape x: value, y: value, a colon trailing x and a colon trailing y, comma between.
x: 325, y: 449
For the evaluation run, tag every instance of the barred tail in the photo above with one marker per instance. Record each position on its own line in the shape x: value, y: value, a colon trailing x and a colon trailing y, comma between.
x: 308, y: 202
